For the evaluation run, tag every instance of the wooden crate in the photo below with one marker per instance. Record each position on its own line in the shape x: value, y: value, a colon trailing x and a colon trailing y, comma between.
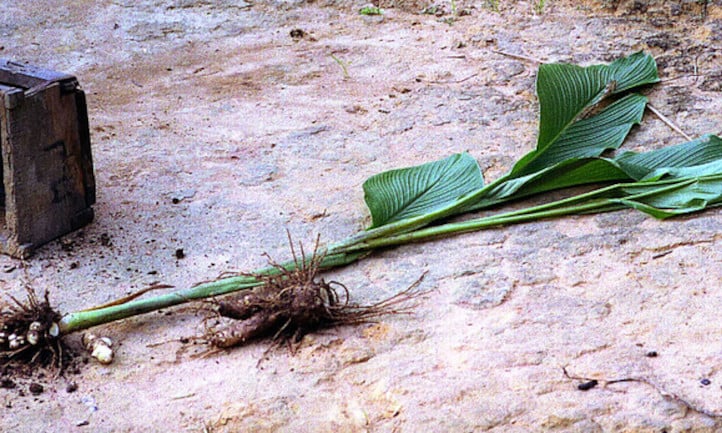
x: 48, y: 185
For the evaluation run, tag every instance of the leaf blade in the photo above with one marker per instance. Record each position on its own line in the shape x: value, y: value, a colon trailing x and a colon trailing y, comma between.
x: 409, y: 192
x: 697, y: 157
x: 588, y: 137
x: 567, y: 91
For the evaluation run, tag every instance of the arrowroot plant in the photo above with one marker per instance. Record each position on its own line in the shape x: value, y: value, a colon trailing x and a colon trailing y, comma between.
x: 585, y: 113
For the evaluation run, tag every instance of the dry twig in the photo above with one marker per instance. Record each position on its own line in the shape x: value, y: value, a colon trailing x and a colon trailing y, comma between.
x: 668, y: 122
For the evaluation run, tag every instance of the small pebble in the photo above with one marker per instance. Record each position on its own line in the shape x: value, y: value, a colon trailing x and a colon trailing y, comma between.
x: 586, y: 386
x: 652, y: 354
x: 72, y: 387
x: 36, y: 388
x: 705, y: 382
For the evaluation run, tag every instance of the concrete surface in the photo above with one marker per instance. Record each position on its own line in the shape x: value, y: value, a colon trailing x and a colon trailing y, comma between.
x: 214, y: 130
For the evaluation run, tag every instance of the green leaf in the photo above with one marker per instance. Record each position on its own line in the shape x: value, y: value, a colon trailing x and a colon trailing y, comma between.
x: 370, y: 10
x: 410, y: 192
x: 671, y: 181
x: 698, y: 157
x: 682, y: 196
x: 568, y: 162
x: 574, y: 129
x: 568, y: 173
x: 587, y: 137
x: 567, y: 96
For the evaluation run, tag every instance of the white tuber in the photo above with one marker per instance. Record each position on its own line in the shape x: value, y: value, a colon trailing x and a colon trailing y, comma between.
x: 99, y: 347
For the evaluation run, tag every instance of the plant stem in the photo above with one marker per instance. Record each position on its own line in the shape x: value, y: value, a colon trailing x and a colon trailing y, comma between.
x: 342, y: 64
x: 88, y: 318
x: 600, y: 200
x: 530, y: 214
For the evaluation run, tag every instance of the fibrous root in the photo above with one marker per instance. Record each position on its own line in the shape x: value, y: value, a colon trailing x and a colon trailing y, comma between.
x: 29, y: 331
x: 292, y: 303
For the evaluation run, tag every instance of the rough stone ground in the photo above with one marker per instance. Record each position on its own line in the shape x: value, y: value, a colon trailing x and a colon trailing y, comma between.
x: 214, y: 130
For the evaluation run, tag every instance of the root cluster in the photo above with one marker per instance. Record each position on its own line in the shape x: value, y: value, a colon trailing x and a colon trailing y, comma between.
x: 29, y: 332
x: 293, y: 303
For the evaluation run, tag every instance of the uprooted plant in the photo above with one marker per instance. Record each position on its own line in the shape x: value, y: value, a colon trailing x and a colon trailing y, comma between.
x: 584, y: 113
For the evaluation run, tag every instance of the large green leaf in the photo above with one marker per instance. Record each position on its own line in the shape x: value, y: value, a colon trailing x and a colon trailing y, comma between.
x: 699, y: 157
x: 671, y: 180
x: 587, y: 137
x: 573, y: 149
x: 410, y: 192
x: 674, y: 180
x: 574, y: 128
x: 568, y: 96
